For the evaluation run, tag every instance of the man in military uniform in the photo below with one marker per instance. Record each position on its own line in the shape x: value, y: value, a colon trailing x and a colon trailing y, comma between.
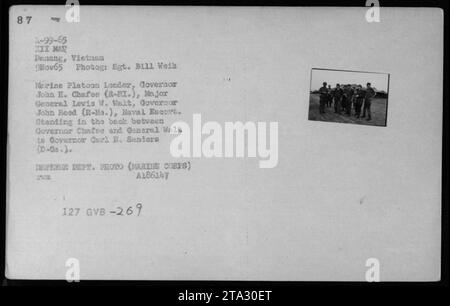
x: 337, y: 95
x: 323, y: 91
x: 344, y: 98
x: 359, y: 98
x: 348, y: 96
x: 330, y: 96
x: 370, y: 93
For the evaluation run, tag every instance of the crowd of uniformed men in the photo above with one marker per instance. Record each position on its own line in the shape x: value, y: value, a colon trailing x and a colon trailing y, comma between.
x: 346, y: 98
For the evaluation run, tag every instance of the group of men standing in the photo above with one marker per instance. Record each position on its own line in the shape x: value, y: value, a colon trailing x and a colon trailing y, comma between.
x: 347, y: 97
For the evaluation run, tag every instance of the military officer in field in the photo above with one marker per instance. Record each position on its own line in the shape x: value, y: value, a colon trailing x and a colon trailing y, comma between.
x: 369, y: 94
x: 344, y: 98
x: 323, y: 91
x: 330, y: 96
x: 337, y: 95
x: 348, y: 97
x: 359, y: 98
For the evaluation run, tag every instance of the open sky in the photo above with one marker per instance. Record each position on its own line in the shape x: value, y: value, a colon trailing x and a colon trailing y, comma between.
x: 378, y: 80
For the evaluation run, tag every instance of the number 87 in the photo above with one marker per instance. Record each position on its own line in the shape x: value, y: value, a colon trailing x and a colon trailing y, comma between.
x: 20, y: 19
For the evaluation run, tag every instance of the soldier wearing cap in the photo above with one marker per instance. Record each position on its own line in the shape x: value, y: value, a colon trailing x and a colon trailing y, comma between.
x: 369, y: 94
x: 323, y: 97
x: 344, y: 98
x: 337, y: 95
x: 329, y: 96
x: 359, y: 98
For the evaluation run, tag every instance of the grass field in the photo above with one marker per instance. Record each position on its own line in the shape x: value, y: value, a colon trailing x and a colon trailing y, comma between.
x: 378, y: 108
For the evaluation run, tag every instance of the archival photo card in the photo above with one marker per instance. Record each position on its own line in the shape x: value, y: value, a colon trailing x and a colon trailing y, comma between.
x: 206, y: 143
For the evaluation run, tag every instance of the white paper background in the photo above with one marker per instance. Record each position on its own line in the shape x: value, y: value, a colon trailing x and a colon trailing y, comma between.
x: 227, y: 218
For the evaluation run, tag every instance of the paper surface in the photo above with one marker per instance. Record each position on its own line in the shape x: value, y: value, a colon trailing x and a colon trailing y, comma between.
x: 338, y: 194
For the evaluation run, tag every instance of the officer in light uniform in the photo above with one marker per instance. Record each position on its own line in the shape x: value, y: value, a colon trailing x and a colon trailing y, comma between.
x: 359, y: 99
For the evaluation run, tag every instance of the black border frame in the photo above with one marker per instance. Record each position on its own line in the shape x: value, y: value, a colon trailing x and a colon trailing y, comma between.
x: 281, y: 290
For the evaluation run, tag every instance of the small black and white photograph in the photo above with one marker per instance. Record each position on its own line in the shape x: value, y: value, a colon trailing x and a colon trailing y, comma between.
x: 345, y: 96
